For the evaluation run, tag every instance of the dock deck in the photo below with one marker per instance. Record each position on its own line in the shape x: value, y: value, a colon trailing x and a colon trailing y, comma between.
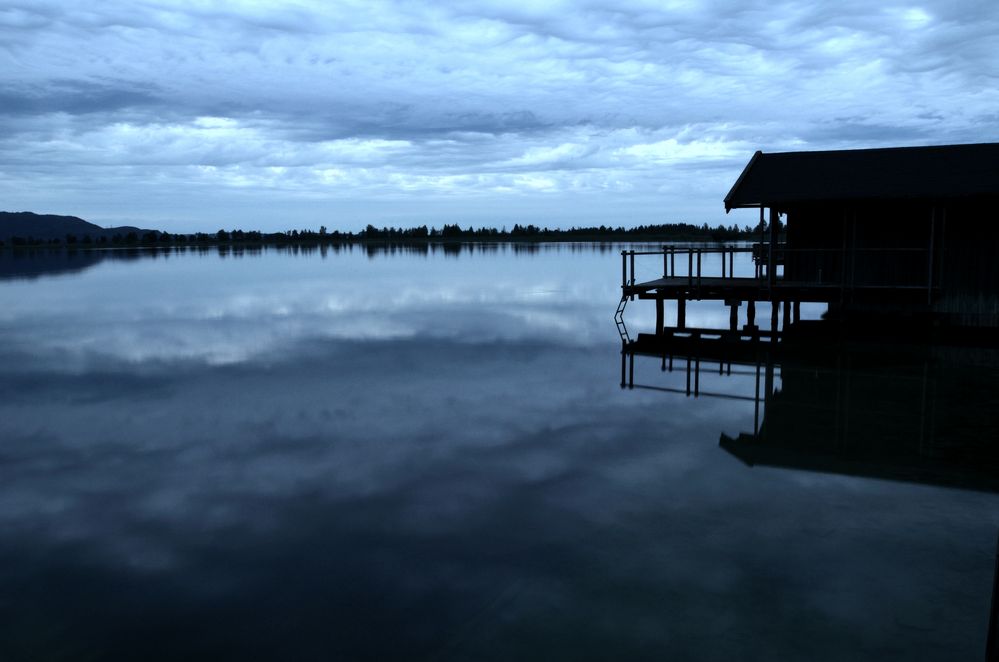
x: 701, y: 275
x: 759, y: 289
x: 704, y: 277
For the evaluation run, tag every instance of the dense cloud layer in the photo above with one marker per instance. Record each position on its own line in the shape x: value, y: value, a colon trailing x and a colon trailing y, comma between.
x: 192, y: 115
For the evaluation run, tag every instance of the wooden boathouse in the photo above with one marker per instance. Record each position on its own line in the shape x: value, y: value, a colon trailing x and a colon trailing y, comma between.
x: 907, y: 232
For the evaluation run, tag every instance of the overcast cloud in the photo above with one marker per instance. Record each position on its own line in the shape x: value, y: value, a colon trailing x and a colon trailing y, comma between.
x: 199, y: 115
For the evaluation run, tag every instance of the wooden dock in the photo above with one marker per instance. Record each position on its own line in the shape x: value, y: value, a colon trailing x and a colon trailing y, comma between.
x: 708, y: 274
x: 749, y: 289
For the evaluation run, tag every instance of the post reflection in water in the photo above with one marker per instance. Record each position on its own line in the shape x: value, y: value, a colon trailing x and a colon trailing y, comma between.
x: 914, y: 413
x: 920, y: 414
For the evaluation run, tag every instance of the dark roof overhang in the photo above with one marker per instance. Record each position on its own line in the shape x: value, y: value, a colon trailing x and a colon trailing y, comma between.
x: 940, y: 172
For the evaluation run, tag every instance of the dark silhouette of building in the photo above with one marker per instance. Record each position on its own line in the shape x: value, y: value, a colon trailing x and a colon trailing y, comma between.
x: 908, y: 232
x: 880, y: 222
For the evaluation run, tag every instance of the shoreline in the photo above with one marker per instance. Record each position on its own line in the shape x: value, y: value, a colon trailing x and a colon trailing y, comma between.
x: 212, y: 241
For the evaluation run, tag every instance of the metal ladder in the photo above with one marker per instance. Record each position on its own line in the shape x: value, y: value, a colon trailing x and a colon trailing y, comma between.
x: 619, y: 319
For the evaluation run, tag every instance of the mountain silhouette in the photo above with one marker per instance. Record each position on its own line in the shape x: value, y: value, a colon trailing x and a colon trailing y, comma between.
x: 51, y: 226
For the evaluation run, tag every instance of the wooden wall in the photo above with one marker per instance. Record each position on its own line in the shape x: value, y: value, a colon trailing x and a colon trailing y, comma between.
x: 951, y: 245
x: 970, y: 264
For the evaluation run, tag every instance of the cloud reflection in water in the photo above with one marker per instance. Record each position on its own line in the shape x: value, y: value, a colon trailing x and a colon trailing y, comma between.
x: 440, y: 463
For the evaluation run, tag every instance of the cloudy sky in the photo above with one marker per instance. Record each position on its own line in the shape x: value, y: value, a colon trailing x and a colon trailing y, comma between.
x: 199, y: 115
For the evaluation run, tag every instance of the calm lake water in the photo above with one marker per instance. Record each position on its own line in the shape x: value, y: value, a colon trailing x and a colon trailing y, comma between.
x: 402, y: 455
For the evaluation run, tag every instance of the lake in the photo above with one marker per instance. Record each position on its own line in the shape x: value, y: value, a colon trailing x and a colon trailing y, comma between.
x: 370, y: 455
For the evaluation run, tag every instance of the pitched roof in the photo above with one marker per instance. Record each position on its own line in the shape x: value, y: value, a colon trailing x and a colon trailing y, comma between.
x: 945, y: 171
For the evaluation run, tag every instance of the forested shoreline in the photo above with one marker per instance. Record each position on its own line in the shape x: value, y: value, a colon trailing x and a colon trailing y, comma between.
x: 419, y: 234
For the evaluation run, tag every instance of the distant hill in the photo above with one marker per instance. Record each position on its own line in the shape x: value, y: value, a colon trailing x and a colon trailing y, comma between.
x: 29, y: 229
x: 51, y: 226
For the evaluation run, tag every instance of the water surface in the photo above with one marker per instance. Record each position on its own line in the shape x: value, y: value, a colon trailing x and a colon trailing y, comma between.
x: 368, y: 456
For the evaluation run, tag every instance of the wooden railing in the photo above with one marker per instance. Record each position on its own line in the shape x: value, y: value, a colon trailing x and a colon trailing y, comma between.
x: 696, y: 258
x: 849, y: 268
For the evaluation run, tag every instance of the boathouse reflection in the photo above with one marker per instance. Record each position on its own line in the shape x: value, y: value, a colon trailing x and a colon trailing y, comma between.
x: 917, y: 413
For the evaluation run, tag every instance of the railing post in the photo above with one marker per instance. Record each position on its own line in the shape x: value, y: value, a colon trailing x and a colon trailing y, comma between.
x: 929, y: 266
x: 690, y: 267
x: 853, y: 251
x: 698, y: 267
x: 633, y: 271
x: 771, y: 253
x: 672, y: 260
x: 624, y: 269
x: 763, y: 237
x: 665, y: 264
x: 723, y: 261
x: 842, y: 274
x: 731, y: 264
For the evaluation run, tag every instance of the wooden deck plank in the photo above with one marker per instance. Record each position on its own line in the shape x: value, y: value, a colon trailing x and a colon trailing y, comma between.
x: 745, y: 289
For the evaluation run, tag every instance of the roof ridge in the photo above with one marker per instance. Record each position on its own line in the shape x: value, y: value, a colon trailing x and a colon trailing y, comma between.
x: 895, y: 148
x: 924, y: 171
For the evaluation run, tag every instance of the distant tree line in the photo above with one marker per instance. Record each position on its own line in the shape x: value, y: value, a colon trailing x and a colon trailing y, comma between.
x: 661, y: 232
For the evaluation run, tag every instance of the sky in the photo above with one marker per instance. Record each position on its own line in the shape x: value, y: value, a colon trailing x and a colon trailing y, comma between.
x: 196, y: 116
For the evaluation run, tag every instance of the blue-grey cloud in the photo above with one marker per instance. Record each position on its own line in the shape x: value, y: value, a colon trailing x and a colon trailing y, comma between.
x: 75, y: 97
x: 440, y: 109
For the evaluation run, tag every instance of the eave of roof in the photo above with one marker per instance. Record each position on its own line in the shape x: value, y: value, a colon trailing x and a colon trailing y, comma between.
x: 944, y: 171
x: 742, y: 176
